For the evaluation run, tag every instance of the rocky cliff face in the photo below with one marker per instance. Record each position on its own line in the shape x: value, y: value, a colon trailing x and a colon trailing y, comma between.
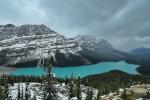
x: 28, y: 45
x: 100, y: 50
x: 33, y: 45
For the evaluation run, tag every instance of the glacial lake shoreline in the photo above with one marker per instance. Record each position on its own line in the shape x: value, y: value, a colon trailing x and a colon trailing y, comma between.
x: 7, y: 70
x: 82, y: 71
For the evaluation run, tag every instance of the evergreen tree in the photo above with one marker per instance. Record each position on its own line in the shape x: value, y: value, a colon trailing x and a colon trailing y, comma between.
x: 3, y: 79
x: 26, y: 92
x: 117, y: 87
x: 98, y: 95
x: 6, y: 90
x: 146, y: 96
x: 22, y: 93
x: 44, y: 94
x: 66, y: 80
x: 19, y: 94
x: 2, y: 93
x: 79, y: 89
x: 124, y: 95
x: 89, y: 94
x: 48, y: 82
x: 71, y: 90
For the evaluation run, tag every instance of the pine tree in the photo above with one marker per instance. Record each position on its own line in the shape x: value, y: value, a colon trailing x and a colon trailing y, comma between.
x: 48, y: 82
x: 118, y: 81
x: 71, y: 90
x: 44, y: 94
x: 124, y: 95
x: 79, y: 89
x: 2, y: 93
x: 146, y: 96
x: 6, y: 90
x: 19, y: 94
x: 89, y: 94
x: 66, y: 80
x: 3, y: 79
x: 98, y: 95
x: 26, y: 92
x: 22, y: 93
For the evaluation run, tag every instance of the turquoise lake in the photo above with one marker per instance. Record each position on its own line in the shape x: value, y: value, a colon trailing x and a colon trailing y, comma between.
x: 81, y: 71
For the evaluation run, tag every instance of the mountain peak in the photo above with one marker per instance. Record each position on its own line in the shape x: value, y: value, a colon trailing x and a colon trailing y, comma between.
x: 92, y: 43
x: 21, y: 44
x: 31, y: 45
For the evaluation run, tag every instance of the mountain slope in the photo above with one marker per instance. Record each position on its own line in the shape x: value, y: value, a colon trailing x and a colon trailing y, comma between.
x: 101, y: 50
x: 143, y: 56
x: 34, y: 45
x: 28, y: 45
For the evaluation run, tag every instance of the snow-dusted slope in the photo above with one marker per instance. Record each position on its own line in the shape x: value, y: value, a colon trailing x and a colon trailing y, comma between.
x: 100, y: 49
x: 92, y: 43
x: 32, y: 43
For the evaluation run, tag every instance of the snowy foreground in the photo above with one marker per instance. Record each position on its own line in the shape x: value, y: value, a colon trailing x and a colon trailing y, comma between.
x: 62, y: 91
x: 35, y: 91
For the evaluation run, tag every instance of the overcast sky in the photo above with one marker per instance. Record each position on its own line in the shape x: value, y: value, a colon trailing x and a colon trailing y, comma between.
x: 124, y: 23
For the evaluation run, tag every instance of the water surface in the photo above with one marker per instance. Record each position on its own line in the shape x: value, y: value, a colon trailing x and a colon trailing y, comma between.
x: 81, y: 71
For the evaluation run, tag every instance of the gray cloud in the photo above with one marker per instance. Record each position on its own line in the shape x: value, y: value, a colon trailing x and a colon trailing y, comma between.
x: 124, y: 23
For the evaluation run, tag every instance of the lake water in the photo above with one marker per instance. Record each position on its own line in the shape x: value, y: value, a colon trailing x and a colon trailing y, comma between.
x: 81, y: 71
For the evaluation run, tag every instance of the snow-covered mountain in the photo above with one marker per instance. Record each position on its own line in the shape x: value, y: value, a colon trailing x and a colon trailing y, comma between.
x: 92, y: 43
x: 100, y: 50
x: 28, y: 45
x: 32, y: 45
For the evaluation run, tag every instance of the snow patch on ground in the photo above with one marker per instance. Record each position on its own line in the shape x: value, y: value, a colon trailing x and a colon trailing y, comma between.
x: 62, y: 91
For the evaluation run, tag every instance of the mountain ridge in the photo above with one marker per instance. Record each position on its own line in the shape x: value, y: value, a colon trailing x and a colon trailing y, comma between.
x: 27, y: 43
x: 34, y: 45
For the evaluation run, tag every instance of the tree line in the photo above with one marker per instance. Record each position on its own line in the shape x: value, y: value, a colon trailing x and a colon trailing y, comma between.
x: 105, y: 83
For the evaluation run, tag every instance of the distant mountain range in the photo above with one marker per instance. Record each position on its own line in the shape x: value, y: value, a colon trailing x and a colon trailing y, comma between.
x: 101, y: 50
x: 33, y: 45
